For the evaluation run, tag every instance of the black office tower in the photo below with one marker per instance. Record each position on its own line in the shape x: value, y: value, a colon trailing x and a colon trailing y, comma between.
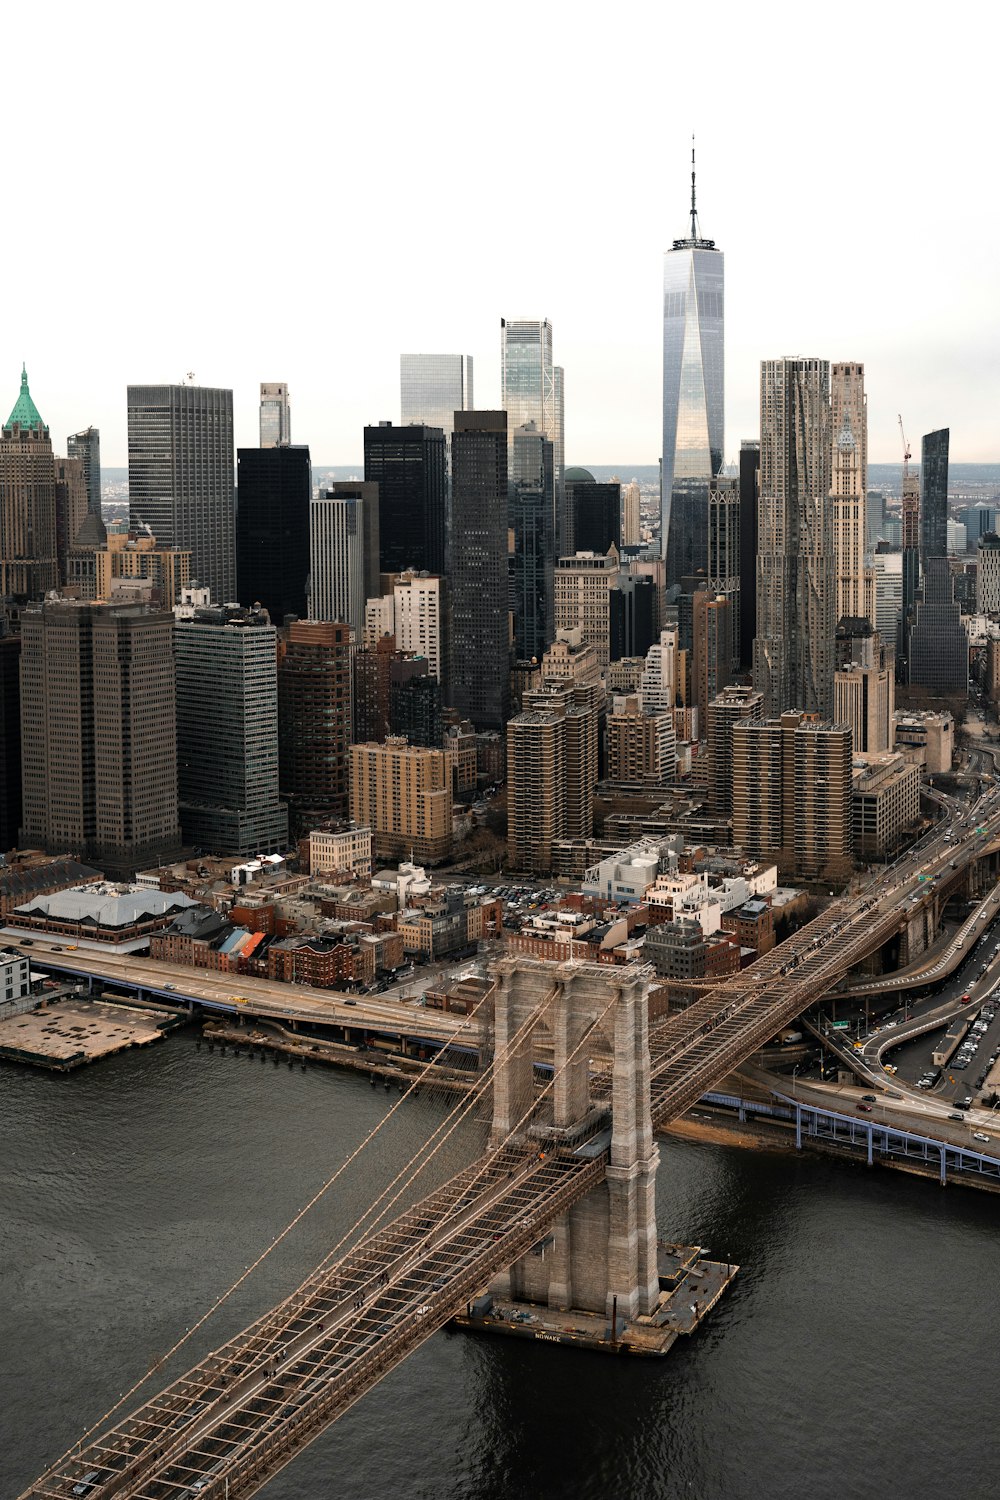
x: 632, y: 616
x: 480, y: 665
x: 408, y: 465
x: 595, y: 512
x: 274, y: 490
x: 934, y: 495
x: 938, y: 645
x: 749, y: 480
x: 531, y: 519
x: 10, y: 739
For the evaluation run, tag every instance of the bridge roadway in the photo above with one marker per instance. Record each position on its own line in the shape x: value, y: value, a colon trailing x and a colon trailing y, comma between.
x: 239, y: 1416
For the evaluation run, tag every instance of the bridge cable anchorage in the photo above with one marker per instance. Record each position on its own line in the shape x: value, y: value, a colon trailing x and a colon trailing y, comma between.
x: 293, y: 1223
x: 467, y: 1181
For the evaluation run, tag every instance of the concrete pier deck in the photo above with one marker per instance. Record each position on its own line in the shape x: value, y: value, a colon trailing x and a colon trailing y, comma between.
x: 690, y: 1286
x: 68, y: 1033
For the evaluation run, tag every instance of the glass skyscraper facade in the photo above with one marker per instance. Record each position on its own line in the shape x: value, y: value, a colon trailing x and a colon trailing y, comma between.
x: 408, y: 465
x: 693, y: 397
x: 533, y: 561
x: 480, y: 656
x: 934, y: 495
x: 274, y: 493
x: 533, y: 391
x: 433, y: 387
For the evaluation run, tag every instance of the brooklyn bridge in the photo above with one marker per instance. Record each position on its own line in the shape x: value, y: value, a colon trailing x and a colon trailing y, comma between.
x: 570, y: 1160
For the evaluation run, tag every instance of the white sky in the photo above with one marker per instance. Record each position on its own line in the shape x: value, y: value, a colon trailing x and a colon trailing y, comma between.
x: 288, y: 192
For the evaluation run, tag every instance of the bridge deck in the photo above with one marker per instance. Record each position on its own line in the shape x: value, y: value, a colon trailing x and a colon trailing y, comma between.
x: 245, y: 1410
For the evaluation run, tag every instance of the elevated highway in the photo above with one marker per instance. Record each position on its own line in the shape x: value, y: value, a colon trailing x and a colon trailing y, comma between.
x: 247, y: 997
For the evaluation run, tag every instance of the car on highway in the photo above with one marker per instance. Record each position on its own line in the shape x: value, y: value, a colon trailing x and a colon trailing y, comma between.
x: 964, y: 999
x: 865, y: 1109
x: 869, y: 1099
x: 977, y: 1135
x: 965, y: 1103
x: 956, y: 1116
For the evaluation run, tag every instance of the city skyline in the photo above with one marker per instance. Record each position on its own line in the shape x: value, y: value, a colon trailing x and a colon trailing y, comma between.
x: 884, y: 292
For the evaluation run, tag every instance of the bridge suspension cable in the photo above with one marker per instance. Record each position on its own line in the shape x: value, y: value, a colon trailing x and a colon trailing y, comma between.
x: 292, y: 1224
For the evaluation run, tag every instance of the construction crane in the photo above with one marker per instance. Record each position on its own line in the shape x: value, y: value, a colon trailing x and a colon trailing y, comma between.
x: 906, y: 450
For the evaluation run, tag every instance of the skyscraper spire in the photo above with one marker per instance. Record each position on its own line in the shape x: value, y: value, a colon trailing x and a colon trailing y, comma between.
x: 693, y: 395
x: 694, y: 211
x: 25, y: 413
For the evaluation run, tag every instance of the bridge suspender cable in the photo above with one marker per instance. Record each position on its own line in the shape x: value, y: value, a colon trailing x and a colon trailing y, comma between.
x: 293, y: 1223
x: 254, y: 1265
x: 486, y: 1164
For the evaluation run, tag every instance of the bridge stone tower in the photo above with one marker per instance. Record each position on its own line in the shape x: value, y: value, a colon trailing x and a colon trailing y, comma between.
x: 602, y: 1252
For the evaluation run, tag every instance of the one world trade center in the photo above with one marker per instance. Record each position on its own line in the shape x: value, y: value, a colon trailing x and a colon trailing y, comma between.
x: 693, y: 396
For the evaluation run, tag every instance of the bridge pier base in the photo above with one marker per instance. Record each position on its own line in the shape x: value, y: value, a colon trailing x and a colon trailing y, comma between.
x: 603, y: 1251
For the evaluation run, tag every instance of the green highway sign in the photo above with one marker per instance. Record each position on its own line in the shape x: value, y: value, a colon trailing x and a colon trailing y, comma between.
x: 841, y: 1025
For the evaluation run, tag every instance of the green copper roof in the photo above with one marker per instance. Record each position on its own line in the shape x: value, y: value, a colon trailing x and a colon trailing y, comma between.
x: 25, y: 413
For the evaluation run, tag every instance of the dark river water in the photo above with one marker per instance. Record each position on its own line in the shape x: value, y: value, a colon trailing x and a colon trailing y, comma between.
x: 857, y: 1354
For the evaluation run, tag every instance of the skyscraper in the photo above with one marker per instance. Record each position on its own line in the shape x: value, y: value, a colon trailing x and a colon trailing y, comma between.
x: 343, y: 551
x: 792, y: 793
x: 934, y: 495
x: 749, y: 482
x: 583, y: 585
x: 724, y: 515
x: 531, y: 521
x: 552, y: 756
x: 713, y: 647
x: 71, y: 508
x: 98, y: 733
x: 849, y: 479
x: 631, y: 517
x: 180, y: 476
x: 10, y: 738
x: 938, y: 645
x: 408, y: 465
x: 314, y: 719
x: 793, y: 661
x: 693, y: 395
x: 87, y: 445
x: 274, y: 491
x: 28, y: 561
x: 275, y: 415
x: 433, y: 387
x: 594, y: 511
x: 533, y: 391
x: 227, y: 732
x: 480, y: 665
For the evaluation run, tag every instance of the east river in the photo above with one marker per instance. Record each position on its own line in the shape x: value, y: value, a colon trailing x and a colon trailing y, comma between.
x: 856, y: 1356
